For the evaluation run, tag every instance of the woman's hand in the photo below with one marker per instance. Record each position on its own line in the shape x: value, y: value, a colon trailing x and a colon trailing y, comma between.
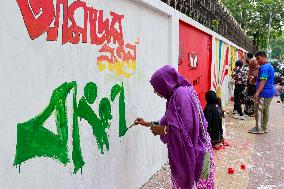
x: 141, y: 121
x: 158, y: 130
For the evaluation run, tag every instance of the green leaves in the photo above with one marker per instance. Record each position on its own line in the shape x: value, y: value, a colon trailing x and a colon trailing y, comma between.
x: 253, y: 16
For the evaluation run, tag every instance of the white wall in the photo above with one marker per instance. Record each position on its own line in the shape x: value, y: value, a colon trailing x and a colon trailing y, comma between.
x: 32, y: 69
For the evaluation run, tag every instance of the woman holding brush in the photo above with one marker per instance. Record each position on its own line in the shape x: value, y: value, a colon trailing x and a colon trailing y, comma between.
x: 183, y: 129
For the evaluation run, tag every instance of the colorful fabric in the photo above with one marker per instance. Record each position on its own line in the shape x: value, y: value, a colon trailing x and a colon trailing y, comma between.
x: 253, y: 71
x: 266, y: 72
x: 240, y: 75
x: 208, y: 183
x: 186, y: 144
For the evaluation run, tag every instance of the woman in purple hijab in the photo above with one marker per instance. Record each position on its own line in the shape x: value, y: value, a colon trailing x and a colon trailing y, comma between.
x: 180, y: 129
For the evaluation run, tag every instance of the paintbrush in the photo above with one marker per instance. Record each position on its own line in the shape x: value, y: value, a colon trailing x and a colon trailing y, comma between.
x: 131, y: 126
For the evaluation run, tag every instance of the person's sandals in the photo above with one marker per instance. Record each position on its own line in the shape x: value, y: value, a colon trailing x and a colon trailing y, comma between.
x: 237, y: 116
x: 256, y: 131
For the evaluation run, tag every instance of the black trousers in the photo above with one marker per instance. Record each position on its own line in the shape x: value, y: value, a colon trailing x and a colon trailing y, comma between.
x: 237, y: 98
x: 251, y: 90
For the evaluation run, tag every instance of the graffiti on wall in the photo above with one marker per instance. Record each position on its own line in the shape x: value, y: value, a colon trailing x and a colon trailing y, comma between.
x: 233, y: 59
x: 195, y: 58
x: 221, y: 67
x: 34, y: 140
x: 115, y: 55
x: 240, y: 54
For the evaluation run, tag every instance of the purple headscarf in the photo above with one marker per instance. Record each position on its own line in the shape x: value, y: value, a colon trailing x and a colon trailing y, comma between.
x: 185, y: 142
x: 166, y: 80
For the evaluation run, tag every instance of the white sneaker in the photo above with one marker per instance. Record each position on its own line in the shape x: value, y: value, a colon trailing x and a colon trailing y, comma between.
x: 236, y: 116
x: 242, y: 117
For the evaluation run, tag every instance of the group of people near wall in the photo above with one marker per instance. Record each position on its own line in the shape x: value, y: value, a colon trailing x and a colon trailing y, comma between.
x: 190, y: 133
x: 254, y: 87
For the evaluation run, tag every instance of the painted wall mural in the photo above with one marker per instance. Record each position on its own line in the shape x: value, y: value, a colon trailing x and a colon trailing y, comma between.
x: 34, y: 140
x: 115, y: 55
x: 195, y: 58
x: 241, y: 54
x: 221, y: 67
x: 233, y: 59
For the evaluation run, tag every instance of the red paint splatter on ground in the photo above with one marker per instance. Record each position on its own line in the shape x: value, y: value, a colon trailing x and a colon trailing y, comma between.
x: 231, y: 171
x: 243, y: 167
x: 225, y: 143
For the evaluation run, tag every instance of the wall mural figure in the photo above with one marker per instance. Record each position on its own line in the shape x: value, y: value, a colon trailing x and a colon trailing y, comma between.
x: 193, y: 60
x: 34, y: 140
x: 233, y: 59
x: 221, y: 67
x: 115, y: 55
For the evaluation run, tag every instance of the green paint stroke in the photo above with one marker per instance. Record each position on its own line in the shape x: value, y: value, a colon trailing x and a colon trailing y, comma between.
x: 86, y: 112
x: 33, y: 140
x: 105, y: 112
x: 119, y: 89
x: 76, y: 152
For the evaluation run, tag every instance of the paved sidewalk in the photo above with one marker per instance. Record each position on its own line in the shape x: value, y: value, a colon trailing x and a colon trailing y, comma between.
x: 258, y: 160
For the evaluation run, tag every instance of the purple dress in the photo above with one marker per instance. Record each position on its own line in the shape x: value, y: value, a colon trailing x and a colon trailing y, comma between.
x: 184, y: 139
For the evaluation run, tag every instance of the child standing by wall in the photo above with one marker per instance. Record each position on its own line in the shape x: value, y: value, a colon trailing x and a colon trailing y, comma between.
x: 214, y: 114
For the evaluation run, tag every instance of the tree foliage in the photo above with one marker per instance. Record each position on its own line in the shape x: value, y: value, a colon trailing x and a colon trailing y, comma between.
x: 277, y: 46
x: 254, y: 16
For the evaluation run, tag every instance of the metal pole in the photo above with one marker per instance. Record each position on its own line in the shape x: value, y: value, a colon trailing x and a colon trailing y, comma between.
x: 268, y: 37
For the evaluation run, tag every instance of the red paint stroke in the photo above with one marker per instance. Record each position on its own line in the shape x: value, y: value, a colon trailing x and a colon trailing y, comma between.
x: 38, y: 15
x: 42, y: 16
x: 215, y: 79
x: 108, y: 58
x: 225, y: 70
x: 214, y: 85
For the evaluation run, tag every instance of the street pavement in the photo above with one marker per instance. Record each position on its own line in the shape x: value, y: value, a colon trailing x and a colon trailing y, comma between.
x: 255, y: 161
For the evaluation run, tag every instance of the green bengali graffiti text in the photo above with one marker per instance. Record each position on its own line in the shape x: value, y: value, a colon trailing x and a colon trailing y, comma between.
x: 34, y: 140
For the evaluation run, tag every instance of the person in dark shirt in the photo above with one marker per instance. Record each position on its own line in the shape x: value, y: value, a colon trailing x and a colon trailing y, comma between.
x: 240, y: 77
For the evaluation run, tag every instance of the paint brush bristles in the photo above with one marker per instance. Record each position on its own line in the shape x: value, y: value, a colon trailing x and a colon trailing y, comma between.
x: 132, y: 125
